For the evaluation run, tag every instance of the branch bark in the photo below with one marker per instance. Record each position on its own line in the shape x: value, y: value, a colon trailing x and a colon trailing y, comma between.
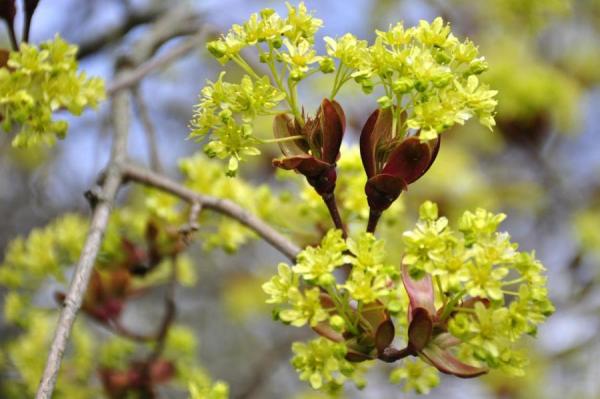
x: 133, y: 77
x: 164, y: 29
x: 130, y: 70
x: 149, y: 129
x: 101, y: 213
x: 147, y: 177
x: 115, y: 33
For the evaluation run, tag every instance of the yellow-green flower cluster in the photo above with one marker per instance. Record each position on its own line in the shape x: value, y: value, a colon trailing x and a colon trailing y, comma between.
x: 226, y: 112
x: 23, y: 357
x: 270, y: 33
x: 316, y: 264
x: 497, y: 293
x: 416, y: 376
x: 44, y: 253
x: 321, y: 363
x: 308, y: 293
x: 286, y: 46
x: 530, y: 89
x: 218, y: 390
x: 47, y: 255
x: 36, y: 82
x: 371, y: 280
x: 428, y: 75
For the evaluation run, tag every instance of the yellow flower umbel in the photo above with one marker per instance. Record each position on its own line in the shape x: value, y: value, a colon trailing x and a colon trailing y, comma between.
x: 36, y: 82
x: 460, y: 301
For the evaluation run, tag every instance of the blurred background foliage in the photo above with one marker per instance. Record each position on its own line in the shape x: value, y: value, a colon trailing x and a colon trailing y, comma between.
x: 540, y: 166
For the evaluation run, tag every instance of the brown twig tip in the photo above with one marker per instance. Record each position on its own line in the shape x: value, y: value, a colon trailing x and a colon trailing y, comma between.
x: 330, y: 202
x: 391, y: 354
x: 374, y: 216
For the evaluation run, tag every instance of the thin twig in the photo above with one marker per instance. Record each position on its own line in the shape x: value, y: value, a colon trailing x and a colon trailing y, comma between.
x: 78, y: 286
x: 223, y: 206
x: 332, y: 207
x: 373, y: 220
x: 133, y: 78
x: 144, y: 49
x: 192, y: 226
x: 149, y: 129
x: 117, y: 328
x: 117, y: 32
x: 391, y: 354
x: 14, y: 43
x: 169, y: 316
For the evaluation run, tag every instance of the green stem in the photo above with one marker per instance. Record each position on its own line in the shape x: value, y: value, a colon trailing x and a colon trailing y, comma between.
x: 398, y: 115
x: 464, y: 310
x: 329, y: 200
x: 244, y: 65
x: 341, y: 309
x: 335, y: 89
x: 293, y: 101
x: 290, y: 138
x: 449, y: 308
x: 438, y: 283
x: 515, y: 281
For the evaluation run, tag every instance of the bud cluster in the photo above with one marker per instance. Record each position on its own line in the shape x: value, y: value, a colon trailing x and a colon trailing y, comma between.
x: 39, y: 80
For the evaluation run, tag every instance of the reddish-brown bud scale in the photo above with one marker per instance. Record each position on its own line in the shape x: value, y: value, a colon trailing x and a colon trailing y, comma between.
x: 391, y: 165
x: 314, y: 154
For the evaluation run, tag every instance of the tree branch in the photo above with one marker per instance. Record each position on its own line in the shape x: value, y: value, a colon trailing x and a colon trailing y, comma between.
x: 223, y: 206
x: 115, y: 33
x: 149, y: 129
x: 133, y: 77
x: 101, y: 212
x: 164, y: 29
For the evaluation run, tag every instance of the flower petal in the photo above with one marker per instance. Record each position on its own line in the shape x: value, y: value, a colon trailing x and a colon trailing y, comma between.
x: 420, y: 293
x: 325, y: 330
x: 409, y: 160
x: 283, y: 127
x: 447, y: 363
x: 384, y: 335
x: 305, y: 164
x: 419, y: 330
x: 332, y: 127
x: 377, y: 129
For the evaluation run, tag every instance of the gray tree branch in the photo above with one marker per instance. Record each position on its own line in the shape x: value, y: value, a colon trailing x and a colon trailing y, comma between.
x: 130, y: 71
x: 103, y: 204
x: 165, y: 28
x: 269, y: 234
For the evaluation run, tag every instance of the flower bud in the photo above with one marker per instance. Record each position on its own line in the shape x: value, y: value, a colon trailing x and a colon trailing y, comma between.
x: 477, y: 66
x: 264, y: 58
x: 337, y: 323
x: 217, y: 48
x: 277, y: 42
x: 403, y: 85
x: 266, y: 12
x: 327, y: 65
x: 296, y: 75
x: 384, y: 102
